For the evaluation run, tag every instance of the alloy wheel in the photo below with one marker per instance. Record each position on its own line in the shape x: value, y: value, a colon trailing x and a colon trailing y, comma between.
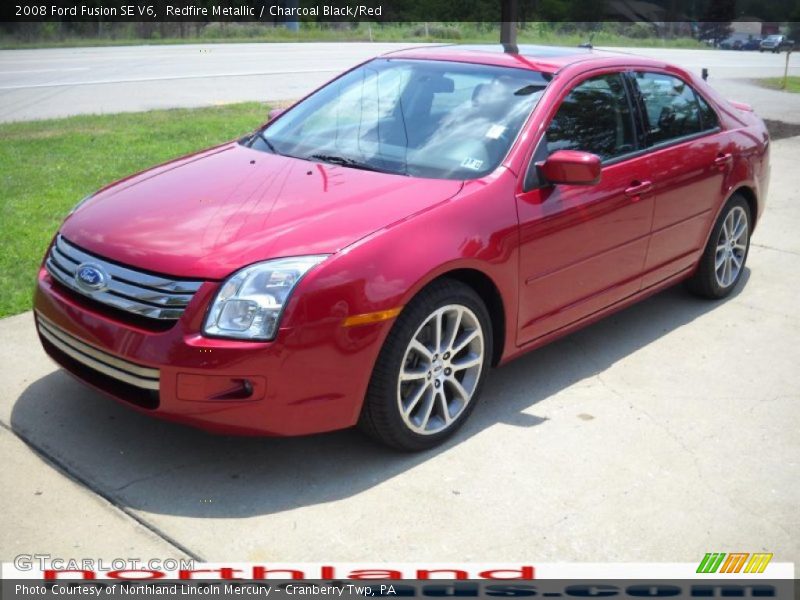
x: 731, y: 247
x: 441, y: 369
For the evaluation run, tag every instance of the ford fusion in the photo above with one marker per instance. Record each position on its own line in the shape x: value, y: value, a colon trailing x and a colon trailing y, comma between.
x: 369, y: 254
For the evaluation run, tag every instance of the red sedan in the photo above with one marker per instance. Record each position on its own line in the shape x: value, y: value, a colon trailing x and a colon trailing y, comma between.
x: 369, y: 254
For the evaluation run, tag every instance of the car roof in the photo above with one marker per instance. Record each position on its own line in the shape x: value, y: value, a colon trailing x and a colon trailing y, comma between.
x: 548, y: 59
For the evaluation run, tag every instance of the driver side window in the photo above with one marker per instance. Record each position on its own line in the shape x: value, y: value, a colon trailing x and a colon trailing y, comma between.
x: 595, y: 117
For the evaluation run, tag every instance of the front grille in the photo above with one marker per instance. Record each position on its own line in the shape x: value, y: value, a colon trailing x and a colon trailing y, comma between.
x: 97, y: 360
x: 124, y: 288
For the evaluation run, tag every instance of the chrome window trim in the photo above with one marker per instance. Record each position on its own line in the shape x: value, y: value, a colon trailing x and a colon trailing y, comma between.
x: 661, y: 146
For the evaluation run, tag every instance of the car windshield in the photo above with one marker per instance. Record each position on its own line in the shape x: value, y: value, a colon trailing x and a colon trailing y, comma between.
x: 437, y: 119
x: 773, y: 38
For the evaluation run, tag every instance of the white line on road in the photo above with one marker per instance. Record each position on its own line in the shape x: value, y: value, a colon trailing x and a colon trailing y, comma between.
x: 44, y: 71
x: 164, y: 78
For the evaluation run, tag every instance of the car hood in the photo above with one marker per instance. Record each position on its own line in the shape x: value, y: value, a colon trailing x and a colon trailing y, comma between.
x: 207, y: 215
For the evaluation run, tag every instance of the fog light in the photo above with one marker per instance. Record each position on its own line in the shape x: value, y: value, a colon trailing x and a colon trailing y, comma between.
x: 212, y: 388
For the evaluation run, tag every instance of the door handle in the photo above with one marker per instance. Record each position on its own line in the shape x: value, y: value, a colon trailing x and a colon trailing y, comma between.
x: 723, y: 160
x: 637, y: 188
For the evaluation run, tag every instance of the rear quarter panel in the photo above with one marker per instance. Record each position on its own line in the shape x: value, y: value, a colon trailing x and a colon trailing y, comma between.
x: 748, y: 141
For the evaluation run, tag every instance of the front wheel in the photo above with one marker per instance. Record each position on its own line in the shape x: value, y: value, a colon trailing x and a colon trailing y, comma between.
x: 430, y: 370
x: 723, y: 260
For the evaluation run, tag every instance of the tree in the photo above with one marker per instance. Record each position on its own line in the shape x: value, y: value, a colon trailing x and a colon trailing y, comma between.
x: 794, y: 27
x: 716, y: 32
x: 716, y: 25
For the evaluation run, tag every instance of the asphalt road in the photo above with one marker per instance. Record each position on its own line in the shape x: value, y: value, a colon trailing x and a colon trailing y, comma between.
x: 45, y: 83
x: 38, y: 84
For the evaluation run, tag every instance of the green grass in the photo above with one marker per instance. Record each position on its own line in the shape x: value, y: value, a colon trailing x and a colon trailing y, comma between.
x: 46, y: 167
x: 535, y: 33
x: 776, y: 83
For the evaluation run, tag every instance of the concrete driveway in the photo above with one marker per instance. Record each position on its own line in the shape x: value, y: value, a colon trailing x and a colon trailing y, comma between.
x: 664, y: 432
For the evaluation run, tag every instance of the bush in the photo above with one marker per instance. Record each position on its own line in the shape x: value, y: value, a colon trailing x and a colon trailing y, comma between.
x: 437, y: 30
x: 639, y: 31
x: 219, y: 30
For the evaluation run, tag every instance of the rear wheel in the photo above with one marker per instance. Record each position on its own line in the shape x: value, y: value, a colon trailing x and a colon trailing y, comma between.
x: 723, y: 260
x: 430, y: 370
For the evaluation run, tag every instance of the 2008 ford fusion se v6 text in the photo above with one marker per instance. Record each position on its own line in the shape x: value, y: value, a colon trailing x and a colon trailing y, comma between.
x: 366, y: 256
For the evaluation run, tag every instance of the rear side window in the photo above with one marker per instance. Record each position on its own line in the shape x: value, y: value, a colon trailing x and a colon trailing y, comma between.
x: 595, y: 117
x: 671, y: 108
x: 708, y: 117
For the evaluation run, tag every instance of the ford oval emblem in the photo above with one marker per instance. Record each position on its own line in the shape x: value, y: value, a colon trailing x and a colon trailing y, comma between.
x: 90, y: 277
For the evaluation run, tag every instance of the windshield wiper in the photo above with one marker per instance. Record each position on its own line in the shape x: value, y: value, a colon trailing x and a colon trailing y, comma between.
x: 260, y: 134
x: 350, y: 162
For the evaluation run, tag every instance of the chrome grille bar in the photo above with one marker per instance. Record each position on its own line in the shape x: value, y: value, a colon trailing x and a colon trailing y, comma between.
x: 133, y: 291
x: 99, y: 360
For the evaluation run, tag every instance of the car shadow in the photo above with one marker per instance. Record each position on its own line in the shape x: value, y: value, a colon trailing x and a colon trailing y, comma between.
x: 163, y: 468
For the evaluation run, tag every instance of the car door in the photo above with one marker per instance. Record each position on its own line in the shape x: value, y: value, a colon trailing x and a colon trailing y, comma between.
x: 689, y: 157
x: 582, y: 248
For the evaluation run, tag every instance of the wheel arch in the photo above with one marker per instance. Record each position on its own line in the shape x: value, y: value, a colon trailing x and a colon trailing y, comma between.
x: 488, y: 291
x: 749, y: 194
x: 747, y: 191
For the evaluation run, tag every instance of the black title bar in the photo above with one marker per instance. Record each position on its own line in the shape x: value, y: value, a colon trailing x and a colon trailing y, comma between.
x: 277, y: 11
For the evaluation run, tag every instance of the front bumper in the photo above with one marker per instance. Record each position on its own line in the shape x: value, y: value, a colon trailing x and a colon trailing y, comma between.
x: 311, y: 379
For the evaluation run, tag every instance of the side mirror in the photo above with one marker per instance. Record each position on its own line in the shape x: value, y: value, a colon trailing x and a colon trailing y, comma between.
x: 571, y: 167
x: 275, y: 113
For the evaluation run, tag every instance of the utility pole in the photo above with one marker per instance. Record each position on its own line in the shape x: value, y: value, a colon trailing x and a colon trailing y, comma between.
x: 508, y: 26
x: 786, y: 69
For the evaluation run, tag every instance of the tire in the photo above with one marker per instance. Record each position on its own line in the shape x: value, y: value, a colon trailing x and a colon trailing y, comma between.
x: 409, y: 414
x: 723, y: 261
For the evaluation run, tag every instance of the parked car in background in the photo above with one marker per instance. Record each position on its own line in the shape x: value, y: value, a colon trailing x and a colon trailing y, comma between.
x: 776, y: 43
x: 753, y: 43
x: 740, y: 42
x: 731, y: 44
x: 366, y: 256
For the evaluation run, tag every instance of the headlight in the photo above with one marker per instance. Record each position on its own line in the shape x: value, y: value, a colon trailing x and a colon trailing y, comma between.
x: 250, y: 303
